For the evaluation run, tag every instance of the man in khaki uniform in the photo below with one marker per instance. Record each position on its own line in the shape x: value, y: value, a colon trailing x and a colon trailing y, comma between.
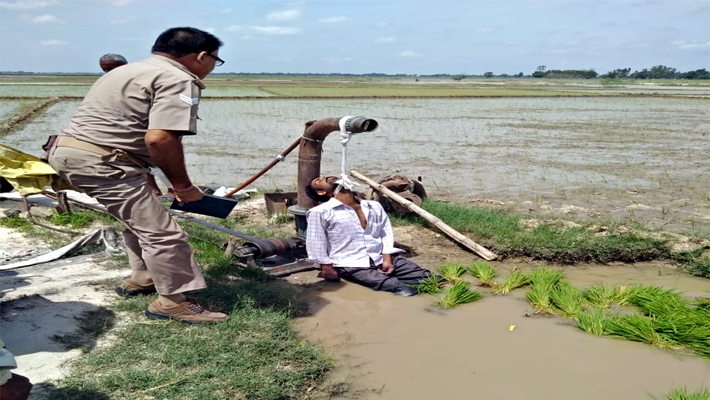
x: 132, y: 119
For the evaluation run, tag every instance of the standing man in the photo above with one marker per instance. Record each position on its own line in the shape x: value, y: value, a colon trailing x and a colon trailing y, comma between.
x: 133, y: 119
x: 107, y: 62
x: 352, y: 238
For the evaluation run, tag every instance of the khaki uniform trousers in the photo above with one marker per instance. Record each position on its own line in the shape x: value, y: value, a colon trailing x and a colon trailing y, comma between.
x: 154, y: 240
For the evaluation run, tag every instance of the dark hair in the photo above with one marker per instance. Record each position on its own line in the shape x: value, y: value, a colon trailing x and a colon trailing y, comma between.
x: 313, y: 194
x: 180, y: 42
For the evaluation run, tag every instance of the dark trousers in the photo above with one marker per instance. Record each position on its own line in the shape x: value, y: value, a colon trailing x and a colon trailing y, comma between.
x: 406, y: 273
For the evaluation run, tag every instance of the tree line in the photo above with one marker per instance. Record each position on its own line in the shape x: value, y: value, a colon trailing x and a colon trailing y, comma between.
x: 656, y: 72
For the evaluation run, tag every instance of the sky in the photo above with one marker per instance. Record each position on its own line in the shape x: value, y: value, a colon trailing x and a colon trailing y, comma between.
x: 373, y: 36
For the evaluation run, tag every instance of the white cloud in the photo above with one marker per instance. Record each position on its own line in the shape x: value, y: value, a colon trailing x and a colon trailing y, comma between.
x: 286, y: 15
x: 381, y: 24
x: 484, y: 30
x: 120, y: 3
x: 226, y: 11
x: 53, y: 42
x: 334, y: 20
x: 409, y: 53
x: 26, y: 4
x: 46, y: 19
x: 263, y: 30
x: 336, y: 60
x: 385, y: 40
x: 685, y: 45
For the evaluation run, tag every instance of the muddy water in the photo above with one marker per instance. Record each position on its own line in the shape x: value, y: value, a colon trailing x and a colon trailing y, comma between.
x: 390, y: 347
x: 638, y: 158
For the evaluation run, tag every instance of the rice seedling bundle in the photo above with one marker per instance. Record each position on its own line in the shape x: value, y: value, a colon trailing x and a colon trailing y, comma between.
x: 545, y: 278
x: 638, y: 328
x: 515, y: 280
x: 484, y: 273
x: 567, y: 298
x: 689, y: 328
x: 539, y: 298
x: 602, y: 296
x: 452, y: 271
x: 431, y: 284
x: 657, y: 301
x: 458, y: 294
x: 593, y: 321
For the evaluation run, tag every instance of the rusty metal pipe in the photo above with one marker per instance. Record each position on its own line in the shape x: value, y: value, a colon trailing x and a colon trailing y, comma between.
x: 309, y: 152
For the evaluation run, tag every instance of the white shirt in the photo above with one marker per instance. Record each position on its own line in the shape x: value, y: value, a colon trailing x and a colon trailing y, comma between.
x: 335, y: 236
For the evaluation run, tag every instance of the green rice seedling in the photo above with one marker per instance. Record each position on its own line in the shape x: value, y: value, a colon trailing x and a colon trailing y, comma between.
x: 685, y: 394
x: 452, y: 271
x: 593, y: 321
x: 567, y: 298
x: 638, y: 328
x: 484, y: 273
x: 689, y: 328
x: 515, y: 280
x: 539, y: 298
x: 544, y: 277
x: 458, y: 294
x: 656, y: 301
x: 602, y: 296
x: 431, y: 284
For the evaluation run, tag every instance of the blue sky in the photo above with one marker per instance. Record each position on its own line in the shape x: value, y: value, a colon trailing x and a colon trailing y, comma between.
x: 385, y: 36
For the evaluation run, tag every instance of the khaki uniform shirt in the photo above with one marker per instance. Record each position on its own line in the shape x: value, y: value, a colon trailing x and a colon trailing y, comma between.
x: 155, y: 93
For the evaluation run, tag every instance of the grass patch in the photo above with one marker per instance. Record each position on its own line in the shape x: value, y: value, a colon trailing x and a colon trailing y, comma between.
x: 16, y: 222
x: 255, y: 355
x: 503, y: 234
x: 484, y: 273
x: 458, y: 294
x: 686, y: 394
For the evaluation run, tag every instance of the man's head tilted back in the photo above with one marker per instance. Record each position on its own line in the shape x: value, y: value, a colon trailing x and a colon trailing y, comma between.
x: 322, y: 188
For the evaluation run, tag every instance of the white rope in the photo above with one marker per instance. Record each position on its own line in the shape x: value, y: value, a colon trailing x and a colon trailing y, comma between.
x: 345, y: 181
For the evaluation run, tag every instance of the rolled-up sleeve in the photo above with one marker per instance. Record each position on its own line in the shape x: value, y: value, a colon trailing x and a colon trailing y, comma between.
x: 316, y: 238
x: 174, y: 107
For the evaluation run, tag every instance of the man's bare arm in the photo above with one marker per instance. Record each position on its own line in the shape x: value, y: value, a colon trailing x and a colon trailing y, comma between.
x: 167, y: 153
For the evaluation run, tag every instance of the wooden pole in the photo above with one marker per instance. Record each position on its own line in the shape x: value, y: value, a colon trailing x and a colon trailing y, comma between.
x: 449, y: 231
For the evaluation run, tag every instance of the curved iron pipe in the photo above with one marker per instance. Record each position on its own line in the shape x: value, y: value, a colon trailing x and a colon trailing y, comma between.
x: 309, y: 152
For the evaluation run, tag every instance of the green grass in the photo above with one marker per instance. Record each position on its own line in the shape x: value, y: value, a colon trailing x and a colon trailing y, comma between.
x: 687, y: 394
x: 458, y: 294
x: 539, y: 298
x: 484, y: 273
x: 255, y: 355
x: 16, y: 222
x: 503, y: 234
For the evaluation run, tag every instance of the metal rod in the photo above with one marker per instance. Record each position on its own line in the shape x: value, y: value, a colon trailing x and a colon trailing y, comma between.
x: 268, y: 167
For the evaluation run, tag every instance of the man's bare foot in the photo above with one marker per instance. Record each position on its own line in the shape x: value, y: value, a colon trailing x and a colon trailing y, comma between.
x: 329, y: 273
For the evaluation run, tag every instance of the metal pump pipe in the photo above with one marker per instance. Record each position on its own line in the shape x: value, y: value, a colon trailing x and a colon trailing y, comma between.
x: 309, y: 152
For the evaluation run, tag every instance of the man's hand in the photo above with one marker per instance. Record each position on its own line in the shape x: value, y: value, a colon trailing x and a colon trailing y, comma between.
x: 189, y: 195
x: 328, y: 272
x: 387, y: 266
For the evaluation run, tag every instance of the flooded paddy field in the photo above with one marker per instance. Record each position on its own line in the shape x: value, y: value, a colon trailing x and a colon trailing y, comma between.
x: 644, y: 159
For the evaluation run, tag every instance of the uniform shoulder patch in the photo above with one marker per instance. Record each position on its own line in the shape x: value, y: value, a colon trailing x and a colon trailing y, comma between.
x: 189, y: 100
x: 199, y: 83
